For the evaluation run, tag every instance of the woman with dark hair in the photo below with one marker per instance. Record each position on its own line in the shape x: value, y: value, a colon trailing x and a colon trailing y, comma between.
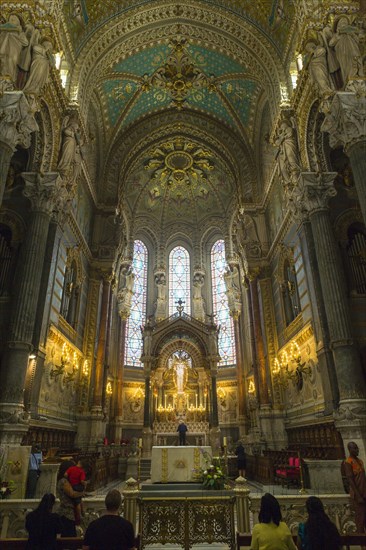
x: 42, y: 525
x: 271, y: 533
x: 66, y: 494
x: 318, y: 532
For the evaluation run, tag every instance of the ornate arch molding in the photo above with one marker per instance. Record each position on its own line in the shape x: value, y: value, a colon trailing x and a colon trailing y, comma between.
x: 344, y: 221
x: 74, y: 255
x: 286, y: 253
x: 130, y: 145
x: 314, y: 144
x: 15, y: 223
x: 237, y: 36
x: 42, y: 151
x: 165, y: 347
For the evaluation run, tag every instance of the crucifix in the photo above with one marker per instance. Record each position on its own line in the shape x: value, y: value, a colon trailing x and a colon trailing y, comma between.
x: 180, y: 306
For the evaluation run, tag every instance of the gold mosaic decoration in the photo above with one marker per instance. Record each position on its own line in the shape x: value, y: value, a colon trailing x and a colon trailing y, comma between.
x: 179, y: 162
x: 179, y: 77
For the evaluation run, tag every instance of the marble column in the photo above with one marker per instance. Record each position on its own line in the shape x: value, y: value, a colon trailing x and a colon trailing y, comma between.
x: 146, y: 430
x: 240, y: 378
x: 252, y: 340
x: 262, y: 390
x: 42, y: 192
x: 312, y: 195
x: 117, y: 424
x: 320, y: 323
x: 346, y: 124
x: 98, y: 392
x: 16, y: 126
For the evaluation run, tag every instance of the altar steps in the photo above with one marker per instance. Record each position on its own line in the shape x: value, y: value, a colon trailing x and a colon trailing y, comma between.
x: 161, y: 490
x: 145, y: 468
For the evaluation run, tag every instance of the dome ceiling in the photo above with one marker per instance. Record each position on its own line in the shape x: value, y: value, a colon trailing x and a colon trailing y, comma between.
x: 150, y: 67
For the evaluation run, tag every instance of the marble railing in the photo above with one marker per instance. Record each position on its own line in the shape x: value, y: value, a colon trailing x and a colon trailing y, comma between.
x: 337, y: 506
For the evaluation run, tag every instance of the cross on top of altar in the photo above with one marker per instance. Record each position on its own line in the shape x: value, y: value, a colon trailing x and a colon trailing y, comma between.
x: 180, y: 306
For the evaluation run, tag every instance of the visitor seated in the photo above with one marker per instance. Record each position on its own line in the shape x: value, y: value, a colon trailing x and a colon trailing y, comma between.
x: 290, y: 473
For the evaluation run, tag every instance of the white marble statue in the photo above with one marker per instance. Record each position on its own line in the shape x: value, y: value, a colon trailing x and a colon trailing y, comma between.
x: 345, y: 42
x: 42, y: 58
x: 316, y: 63
x: 70, y: 142
x: 12, y: 40
x: 288, y: 157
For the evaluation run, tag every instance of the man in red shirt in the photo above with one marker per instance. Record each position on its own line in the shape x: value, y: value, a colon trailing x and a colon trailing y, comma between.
x: 355, y: 473
x: 76, y: 476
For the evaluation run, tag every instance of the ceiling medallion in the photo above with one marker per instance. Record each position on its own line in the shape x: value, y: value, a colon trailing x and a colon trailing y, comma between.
x: 179, y: 76
x: 179, y: 162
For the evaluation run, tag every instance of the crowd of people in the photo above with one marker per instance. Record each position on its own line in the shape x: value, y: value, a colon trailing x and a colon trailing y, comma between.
x: 116, y: 533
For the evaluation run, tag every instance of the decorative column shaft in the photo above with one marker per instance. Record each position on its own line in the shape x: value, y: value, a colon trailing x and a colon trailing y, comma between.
x: 121, y: 362
x: 42, y: 192
x: 147, y: 417
x: 16, y: 125
x: 240, y: 372
x: 312, y: 194
x: 99, y: 363
x: 321, y: 329
x: 261, y: 358
x: 214, y: 411
x: 346, y: 125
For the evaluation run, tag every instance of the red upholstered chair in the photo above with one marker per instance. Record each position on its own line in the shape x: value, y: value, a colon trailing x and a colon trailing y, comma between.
x: 289, y: 475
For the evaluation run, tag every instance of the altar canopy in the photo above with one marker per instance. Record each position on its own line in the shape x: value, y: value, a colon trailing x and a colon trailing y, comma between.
x: 177, y: 464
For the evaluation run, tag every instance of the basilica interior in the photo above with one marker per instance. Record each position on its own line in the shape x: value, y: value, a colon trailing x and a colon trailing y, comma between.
x: 182, y: 225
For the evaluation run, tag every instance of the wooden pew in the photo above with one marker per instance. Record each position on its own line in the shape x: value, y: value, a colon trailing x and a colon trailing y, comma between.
x: 244, y: 540
x: 69, y: 543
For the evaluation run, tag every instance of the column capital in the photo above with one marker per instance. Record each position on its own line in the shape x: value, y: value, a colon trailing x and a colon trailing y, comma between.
x: 346, y: 120
x: 45, y: 191
x: 17, y: 121
x: 312, y: 193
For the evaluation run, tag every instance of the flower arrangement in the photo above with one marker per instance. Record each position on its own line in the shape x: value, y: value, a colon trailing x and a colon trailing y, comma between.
x: 212, y: 476
x: 6, y: 488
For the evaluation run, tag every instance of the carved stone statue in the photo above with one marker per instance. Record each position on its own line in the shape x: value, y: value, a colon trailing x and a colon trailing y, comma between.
x: 316, y: 62
x: 160, y: 281
x: 12, y: 40
x: 198, y: 301
x: 346, y: 45
x: 42, y: 58
x: 288, y: 157
x: 70, y: 142
x: 232, y: 283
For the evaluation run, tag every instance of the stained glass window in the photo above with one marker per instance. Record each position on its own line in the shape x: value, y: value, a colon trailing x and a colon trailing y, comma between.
x: 220, y: 305
x: 179, y: 279
x: 137, y: 317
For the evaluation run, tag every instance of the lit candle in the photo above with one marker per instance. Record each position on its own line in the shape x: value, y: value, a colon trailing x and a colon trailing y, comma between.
x: 140, y: 443
x: 196, y: 401
x: 225, y: 442
x: 165, y: 401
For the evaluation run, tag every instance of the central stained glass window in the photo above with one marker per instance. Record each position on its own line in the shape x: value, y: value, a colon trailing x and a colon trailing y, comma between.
x: 179, y: 280
x: 221, y: 307
x: 137, y: 317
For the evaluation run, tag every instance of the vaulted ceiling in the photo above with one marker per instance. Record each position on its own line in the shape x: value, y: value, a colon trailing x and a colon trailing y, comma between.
x: 177, y: 92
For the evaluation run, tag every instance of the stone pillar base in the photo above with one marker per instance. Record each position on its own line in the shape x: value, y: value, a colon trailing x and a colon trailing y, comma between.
x: 97, y: 427
x: 350, y: 421
x: 325, y: 476
x: 47, y: 480
x: 13, y: 433
x: 215, y: 440
x: 146, y: 443
x: 132, y: 467
x: 272, y: 427
x: 17, y: 461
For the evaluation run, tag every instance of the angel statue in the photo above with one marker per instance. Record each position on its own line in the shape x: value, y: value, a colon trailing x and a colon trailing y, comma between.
x: 70, y: 160
x: 345, y: 42
x: 288, y: 157
x: 12, y: 41
x: 42, y: 58
x: 315, y: 60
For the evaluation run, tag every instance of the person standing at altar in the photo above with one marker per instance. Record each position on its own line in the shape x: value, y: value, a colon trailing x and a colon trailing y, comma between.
x: 182, y: 430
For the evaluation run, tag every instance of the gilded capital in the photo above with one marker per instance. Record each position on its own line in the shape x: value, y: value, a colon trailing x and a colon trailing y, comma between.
x: 16, y: 120
x: 346, y: 120
x: 312, y: 193
x: 43, y: 190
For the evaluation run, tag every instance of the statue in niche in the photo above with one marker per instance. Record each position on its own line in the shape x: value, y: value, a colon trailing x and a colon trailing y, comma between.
x: 12, y: 41
x: 288, y: 157
x: 160, y: 281
x: 232, y: 282
x: 25, y: 59
x: 198, y: 301
x: 316, y: 63
x: 245, y: 236
x: 345, y: 42
x: 42, y: 59
x: 70, y: 149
